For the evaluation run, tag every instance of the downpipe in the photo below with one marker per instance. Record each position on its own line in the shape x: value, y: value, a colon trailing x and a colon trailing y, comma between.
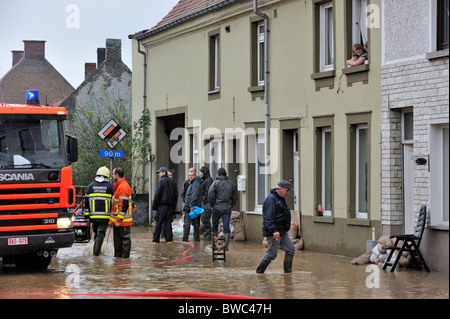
x: 144, y: 100
x: 266, y: 93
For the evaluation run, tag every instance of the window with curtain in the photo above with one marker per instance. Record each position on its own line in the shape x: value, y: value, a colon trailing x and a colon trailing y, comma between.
x: 326, y: 37
x: 327, y: 172
x: 439, y: 174
x: 214, y: 63
x: 260, y: 182
x: 359, y: 28
x: 361, y: 171
x: 261, y: 53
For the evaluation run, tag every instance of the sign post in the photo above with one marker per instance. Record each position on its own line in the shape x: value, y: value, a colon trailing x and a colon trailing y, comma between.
x: 113, y: 134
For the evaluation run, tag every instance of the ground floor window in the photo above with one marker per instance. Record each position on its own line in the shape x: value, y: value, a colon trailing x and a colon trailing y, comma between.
x: 260, y: 184
x: 327, y: 172
x: 439, y: 174
x: 361, y: 179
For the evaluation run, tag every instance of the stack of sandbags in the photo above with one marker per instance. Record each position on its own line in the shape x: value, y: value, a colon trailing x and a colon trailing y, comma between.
x: 237, y: 227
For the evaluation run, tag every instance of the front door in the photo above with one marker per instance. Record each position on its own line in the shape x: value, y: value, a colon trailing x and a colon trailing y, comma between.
x: 408, y: 187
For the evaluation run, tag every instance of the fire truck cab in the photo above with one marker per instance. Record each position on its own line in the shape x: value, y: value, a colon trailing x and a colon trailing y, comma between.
x: 36, y: 188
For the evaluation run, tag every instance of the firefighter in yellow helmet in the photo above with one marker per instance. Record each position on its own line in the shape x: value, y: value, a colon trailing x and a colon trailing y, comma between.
x: 98, y: 206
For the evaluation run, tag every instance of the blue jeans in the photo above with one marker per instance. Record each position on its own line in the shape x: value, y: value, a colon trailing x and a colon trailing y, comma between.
x: 284, y: 242
x: 225, y: 215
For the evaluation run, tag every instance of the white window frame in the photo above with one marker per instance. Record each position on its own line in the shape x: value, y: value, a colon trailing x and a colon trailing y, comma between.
x: 359, y: 128
x: 324, y: 36
x: 260, y: 32
x: 326, y: 130
x: 404, y: 128
x: 195, y: 151
x: 438, y: 169
x: 259, y: 166
x: 217, y: 62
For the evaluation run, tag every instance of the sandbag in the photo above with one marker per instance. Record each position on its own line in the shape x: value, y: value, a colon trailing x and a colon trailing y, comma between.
x: 239, y: 231
x: 298, y: 244
x: 293, y: 231
x: 361, y: 260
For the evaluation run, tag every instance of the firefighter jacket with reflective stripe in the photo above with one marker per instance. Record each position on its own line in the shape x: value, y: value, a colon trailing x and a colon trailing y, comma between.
x: 122, y: 211
x: 99, y: 201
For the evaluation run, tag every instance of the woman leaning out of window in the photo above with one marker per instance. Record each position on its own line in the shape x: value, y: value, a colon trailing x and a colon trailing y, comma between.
x: 359, y: 56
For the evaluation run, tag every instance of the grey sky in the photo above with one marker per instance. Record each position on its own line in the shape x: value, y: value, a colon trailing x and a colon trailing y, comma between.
x: 68, y: 45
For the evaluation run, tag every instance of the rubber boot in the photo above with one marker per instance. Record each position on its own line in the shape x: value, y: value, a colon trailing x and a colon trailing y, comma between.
x: 288, y: 264
x: 227, y: 240
x: 186, y: 231
x: 262, y: 266
x: 196, y: 232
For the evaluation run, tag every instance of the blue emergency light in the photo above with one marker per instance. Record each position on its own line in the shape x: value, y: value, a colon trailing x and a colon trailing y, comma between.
x: 33, y: 97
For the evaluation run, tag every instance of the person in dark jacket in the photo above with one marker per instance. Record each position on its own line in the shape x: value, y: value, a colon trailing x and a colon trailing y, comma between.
x: 164, y: 202
x: 276, y: 223
x: 206, y: 216
x: 222, y: 197
x: 98, y: 206
x: 192, y: 198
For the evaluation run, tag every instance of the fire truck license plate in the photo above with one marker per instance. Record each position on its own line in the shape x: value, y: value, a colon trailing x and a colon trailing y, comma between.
x: 17, y: 241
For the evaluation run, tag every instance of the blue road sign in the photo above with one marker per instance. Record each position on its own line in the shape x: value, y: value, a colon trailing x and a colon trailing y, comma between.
x: 112, y: 154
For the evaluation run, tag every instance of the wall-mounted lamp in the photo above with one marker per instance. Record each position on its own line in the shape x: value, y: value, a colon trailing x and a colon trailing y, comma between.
x: 421, y: 161
x: 228, y: 28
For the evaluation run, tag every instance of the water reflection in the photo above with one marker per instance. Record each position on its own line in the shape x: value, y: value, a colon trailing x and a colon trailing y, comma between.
x: 163, y: 267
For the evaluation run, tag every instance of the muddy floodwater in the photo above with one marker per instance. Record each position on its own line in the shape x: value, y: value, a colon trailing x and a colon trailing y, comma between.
x: 183, y: 267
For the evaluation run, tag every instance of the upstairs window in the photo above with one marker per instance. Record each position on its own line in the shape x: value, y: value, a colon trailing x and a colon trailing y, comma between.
x: 326, y: 37
x: 261, y: 53
x: 442, y: 24
x: 214, y: 63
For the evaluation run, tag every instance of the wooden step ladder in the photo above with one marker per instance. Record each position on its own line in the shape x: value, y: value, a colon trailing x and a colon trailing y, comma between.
x: 218, y: 249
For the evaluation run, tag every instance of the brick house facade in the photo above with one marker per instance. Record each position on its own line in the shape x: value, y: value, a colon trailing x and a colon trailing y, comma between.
x: 415, y: 119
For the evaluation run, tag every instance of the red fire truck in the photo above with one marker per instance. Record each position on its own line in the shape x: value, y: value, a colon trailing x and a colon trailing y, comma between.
x: 36, y: 188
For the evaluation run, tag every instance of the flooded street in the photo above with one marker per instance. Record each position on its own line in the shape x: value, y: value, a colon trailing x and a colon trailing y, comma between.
x: 184, y: 267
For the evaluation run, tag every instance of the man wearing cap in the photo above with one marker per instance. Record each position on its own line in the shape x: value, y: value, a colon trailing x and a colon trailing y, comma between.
x: 98, y: 205
x: 276, y: 223
x: 164, y: 203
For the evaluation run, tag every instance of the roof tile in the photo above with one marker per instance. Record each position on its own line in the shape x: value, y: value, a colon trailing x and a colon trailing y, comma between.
x: 183, y: 9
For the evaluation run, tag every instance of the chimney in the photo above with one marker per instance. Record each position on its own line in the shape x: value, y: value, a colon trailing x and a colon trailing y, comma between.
x: 16, y: 57
x: 100, y: 56
x: 113, y: 50
x: 89, y: 68
x: 34, y: 49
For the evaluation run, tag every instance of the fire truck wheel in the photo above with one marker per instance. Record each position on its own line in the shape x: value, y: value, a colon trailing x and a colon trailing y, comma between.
x: 33, y: 261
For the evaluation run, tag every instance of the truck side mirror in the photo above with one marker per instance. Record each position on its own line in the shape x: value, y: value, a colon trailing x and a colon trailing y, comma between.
x: 72, y: 149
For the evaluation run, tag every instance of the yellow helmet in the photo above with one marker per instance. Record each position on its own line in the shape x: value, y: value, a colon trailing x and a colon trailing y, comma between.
x: 103, y: 171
